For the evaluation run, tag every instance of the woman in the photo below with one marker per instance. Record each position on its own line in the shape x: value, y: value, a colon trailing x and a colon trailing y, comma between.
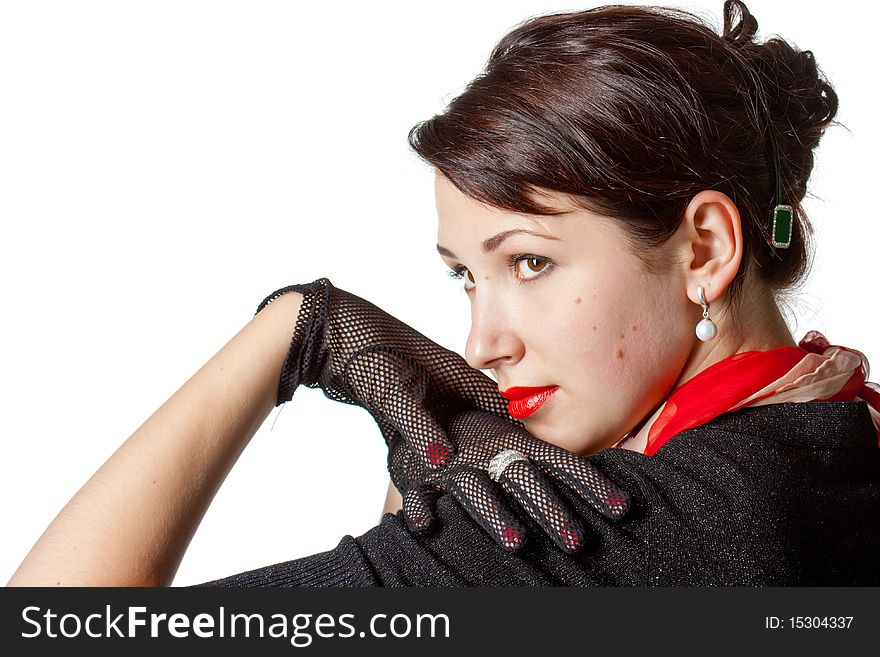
x: 652, y: 171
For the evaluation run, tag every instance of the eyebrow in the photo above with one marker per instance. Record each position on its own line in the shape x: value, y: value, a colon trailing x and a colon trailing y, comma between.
x: 493, y: 243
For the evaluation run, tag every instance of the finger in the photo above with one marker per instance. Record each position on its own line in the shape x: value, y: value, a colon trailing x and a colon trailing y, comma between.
x: 391, y: 384
x: 418, y: 509
x: 453, y: 380
x: 481, y: 500
x: 586, y: 480
x: 529, y: 487
x: 480, y: 391
x: 405, y: 466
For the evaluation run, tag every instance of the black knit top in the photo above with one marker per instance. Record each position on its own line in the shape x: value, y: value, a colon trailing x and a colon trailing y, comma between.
x: 776, y: 495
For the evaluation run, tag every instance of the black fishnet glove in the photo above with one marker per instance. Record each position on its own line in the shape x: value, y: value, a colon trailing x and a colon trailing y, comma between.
x: 334, y: 324
x: 378, y: 373
x: 480, y: 437
x: 358, y: 354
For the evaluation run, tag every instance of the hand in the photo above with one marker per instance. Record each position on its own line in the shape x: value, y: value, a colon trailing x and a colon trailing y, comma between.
x: 480, y: 437
x: 400, y: 375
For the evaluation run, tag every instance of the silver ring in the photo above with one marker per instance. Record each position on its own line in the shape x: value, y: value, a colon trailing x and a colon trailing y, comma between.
x: 501, y: 460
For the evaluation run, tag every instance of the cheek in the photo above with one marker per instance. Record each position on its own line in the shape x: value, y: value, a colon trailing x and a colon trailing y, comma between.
x: 641, y: 351
x: 616, y: 351
x: 602, y: 335
x: 615, y: 338
x: 611, y: 330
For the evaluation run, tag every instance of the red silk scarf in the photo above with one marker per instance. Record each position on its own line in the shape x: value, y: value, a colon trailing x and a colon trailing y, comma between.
x: 815, y: 370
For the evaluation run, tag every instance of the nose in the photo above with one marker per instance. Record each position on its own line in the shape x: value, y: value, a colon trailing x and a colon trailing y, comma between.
x: 493, y: 341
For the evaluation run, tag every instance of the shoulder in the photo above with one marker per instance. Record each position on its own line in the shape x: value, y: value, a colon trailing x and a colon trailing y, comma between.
x: 795, y: 428
x: 745, y: 454
x: 752, y: 487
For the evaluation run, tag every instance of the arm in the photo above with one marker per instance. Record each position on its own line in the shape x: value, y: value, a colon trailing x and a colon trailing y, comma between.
x: 393, y: 500
x: 131, y: 522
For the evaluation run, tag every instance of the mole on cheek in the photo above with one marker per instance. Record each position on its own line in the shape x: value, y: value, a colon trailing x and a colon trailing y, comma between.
x: 635, y: 328
x: 620, y: 353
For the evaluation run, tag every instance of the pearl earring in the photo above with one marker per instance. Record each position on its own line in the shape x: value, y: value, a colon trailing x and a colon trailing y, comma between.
x: 706, y: 329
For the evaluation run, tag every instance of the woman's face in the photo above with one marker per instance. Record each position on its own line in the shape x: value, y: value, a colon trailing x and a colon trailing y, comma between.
x: 574, y: 309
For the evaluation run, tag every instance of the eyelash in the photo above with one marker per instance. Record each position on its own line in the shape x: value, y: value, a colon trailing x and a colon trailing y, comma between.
x: 512, y: 262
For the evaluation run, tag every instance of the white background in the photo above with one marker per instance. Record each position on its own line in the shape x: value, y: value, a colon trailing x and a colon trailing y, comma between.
x: 166, y: 165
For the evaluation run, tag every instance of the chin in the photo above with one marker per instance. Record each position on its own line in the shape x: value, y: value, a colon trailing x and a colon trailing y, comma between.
x: 567, y: 435
x: 561, y: 438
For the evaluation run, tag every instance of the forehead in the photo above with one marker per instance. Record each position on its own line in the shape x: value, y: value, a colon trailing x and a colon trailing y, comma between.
x: 460, y: 217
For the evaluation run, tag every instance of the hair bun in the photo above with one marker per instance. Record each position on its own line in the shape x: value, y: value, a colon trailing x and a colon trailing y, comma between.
x: 798, y: 95
x: 747, y: 27
x: 800, y: 102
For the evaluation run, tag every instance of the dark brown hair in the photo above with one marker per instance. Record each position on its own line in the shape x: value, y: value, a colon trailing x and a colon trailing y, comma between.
x: 630, y: 111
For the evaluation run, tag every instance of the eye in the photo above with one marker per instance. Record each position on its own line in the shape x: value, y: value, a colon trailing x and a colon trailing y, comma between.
x: 534, y: 266
x: 459, y: 273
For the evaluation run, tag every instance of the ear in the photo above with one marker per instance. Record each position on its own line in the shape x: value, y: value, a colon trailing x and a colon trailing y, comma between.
x: 709, y: 239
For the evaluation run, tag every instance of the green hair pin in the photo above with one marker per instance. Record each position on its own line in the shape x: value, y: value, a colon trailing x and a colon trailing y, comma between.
x: 783, y: 215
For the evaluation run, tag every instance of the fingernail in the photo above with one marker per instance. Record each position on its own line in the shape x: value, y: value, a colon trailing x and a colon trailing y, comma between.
x: 437, y: 453
x: 571, y: 536
x: 618, y: 504
x: 419, y: 525
x: 510, y: 537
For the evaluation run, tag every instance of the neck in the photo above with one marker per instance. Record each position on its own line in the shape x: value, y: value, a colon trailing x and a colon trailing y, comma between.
x: 759, y: 327
x: 756, y: 327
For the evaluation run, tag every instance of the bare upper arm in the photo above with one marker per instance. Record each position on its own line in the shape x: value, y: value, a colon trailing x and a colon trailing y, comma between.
x: 393, y: 500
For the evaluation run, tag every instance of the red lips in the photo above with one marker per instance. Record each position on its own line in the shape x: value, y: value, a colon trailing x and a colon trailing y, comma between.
x: 522, y: 391
x: 524, y: 400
